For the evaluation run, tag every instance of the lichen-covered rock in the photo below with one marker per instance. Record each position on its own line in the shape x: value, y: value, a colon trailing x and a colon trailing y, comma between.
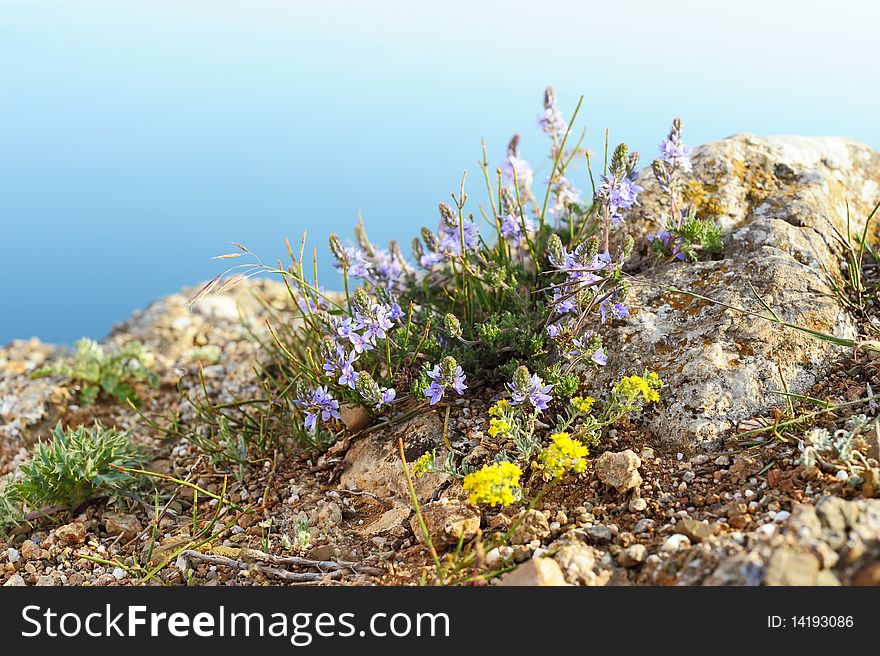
x: 779, y: 201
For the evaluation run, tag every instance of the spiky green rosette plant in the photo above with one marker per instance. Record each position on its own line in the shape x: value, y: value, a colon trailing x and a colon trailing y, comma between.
x: 76, y: 465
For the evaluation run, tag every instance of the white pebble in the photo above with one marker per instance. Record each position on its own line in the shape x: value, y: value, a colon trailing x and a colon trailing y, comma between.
x: 12, y: 555
x: 675, y: 542
x: 842, y: 475
x: 782, y: 515
x: 119, y: 573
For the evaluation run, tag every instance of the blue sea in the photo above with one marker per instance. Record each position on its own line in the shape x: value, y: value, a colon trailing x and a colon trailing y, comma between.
x: 138, y: 138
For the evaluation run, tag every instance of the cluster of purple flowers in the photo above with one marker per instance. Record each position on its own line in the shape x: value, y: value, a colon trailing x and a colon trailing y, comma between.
x: 447, y: 242
x: 565, y: 194
x: 381, y: 268
x: 579, y: 347
x: 338, y: 360
x: 512, y: 228
x: 674, y: 152
x: 515, y: 169
x: 315, y: 403
x: 374, y: 321
x: 551, y: 121
x: 670, y: 243
x: 529, y: 389
x: 619, y: 194
x: 581, y: 269
x: 447, y: 374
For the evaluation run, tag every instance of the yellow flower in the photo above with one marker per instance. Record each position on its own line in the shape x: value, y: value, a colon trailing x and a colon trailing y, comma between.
x: 645, y: 386
x: 498, y: 408
x: 583, y: 403
x: 423, y: 465
x: 498, y: 427
x: 495, y: 484
x: 564, y: 455
x: 653, y: 379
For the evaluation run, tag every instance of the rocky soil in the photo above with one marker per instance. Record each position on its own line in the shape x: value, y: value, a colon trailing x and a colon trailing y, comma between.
x: 675, y: 497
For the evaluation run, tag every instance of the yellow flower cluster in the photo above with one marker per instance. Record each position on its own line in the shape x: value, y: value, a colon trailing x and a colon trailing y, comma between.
x: 499, y: 408
x: 495, y: 484
x: 564, y: 455
x: 423, y: 465
x: 646, y: 386
x: 583, y: 403
x: 498, y: 427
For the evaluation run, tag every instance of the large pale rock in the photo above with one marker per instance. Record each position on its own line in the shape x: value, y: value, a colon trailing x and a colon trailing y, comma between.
x: 777, y: 200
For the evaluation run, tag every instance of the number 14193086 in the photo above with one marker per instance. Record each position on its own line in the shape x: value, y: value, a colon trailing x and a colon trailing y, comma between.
x: 810, y: 622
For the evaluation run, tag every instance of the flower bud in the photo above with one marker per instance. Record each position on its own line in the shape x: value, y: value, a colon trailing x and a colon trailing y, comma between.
x: 361, y: 301
x: 337, y: 249
x: 368, y: 388
x: 448, y: 365
x: 556, y: 250
x: 452, y: 326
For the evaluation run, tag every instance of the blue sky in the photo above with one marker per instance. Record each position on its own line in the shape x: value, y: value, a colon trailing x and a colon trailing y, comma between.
x: 138, y: 138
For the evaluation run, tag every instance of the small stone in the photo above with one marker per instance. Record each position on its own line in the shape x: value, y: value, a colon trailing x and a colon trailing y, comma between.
x: 694, y: 530
x: 868, y: 575
x: 49, y: 580
x: 675, y: 542
x: 619, y: 470
x: 31, y: 551
x: 644, y: 525
x: 12, y: 555
x: 533, y: 525
x: 322, y: 552
x: 781, y: 516
x: 14, y: 581
x: 535, y: 572
x: 637, y: 504
x: 119, y: 573
x: 871, y: 486
x: 632, y: 556
x: 448, y: 521
x: 740, y: 521
x: 126, y: 526
x: 787, y: 566
x: 355, y: 417
x: 498, y: 555
x: 577, y: 562
x: 71, y: 534
x: 599, y: 534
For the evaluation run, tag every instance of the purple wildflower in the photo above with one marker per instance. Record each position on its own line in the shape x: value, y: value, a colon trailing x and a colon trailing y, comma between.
x: 318, y: 403
x: 531, y: 389
x: 551, y: 121
x: 676, y: 153
x: 599, y: 357
x: 443, y: 376
x: 512, y: 228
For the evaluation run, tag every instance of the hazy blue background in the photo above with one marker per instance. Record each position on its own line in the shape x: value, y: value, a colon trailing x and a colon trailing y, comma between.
x: 138, y: 138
